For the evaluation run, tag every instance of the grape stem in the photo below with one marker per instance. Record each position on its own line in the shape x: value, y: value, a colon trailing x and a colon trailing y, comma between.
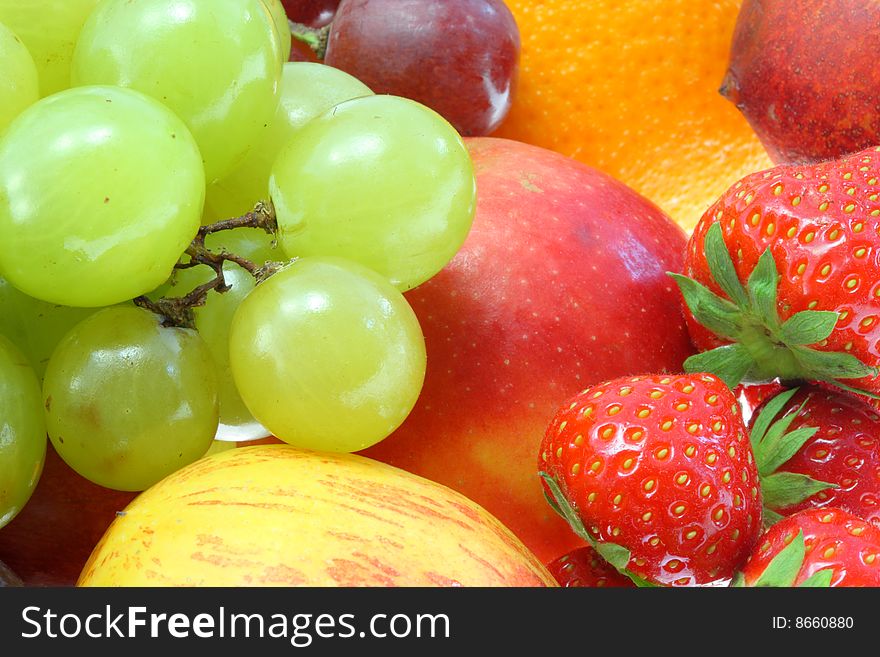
x: 178, y: 311
x: 315, y: 38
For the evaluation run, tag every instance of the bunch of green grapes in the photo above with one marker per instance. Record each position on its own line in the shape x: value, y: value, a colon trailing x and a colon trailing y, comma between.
x: 161, y: 127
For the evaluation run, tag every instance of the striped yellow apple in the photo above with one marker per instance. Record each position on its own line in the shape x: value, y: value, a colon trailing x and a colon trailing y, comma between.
x: 277, y: 515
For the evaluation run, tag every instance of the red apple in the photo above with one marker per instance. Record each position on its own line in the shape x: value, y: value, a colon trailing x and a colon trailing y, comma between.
x: 805, y: 76
x: 561, y: 284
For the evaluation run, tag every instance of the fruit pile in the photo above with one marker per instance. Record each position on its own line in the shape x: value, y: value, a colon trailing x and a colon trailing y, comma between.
x: 293, y: 293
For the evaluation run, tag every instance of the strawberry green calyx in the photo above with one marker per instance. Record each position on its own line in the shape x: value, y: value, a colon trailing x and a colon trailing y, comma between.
x: 616, y: 555
x: 762, y: 346
x: 783, y: 570
x: 773, y: 444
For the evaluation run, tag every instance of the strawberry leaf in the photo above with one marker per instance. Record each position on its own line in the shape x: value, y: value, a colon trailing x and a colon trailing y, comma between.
x: 619, y: 557
x: 762, y: 290
x: 784, y: 489
x: 808, y: 327
x: 721, y: 266
x: 826, y: 366
x: 777, y: 450
x: 616, y: 555
x: 820, y: 579
x: 765, y: 417
x: 784, y: 567
x: 639, y: 582
x: 729, y: 363
x: 855, y: 391
x: 717, y: 314
x: 773, y: 445
x: 565, y: 509
x: 777, y: 445
x: 554, y: 505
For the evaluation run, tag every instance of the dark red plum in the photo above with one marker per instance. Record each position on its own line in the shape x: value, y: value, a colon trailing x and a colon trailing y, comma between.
x: 458, y: 57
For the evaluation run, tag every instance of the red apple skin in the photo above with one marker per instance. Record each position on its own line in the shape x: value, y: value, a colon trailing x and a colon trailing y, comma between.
x: 804, y: 74
x: 561, y: 284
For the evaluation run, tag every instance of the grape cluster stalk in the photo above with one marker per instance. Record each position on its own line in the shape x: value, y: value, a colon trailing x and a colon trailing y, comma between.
x: 178, y: 311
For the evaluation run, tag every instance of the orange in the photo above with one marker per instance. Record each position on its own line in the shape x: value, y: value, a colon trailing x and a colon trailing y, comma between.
x: 631, y: 87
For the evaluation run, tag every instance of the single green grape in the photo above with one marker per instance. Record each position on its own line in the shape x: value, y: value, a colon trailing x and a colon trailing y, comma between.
x: 381, y: 180
x: 19, y: 85
x: 213, y: 62
x: 101, y: 190
x: 307, y: 90
x: 129, y: 401
x: 49, y: 29
x: 214, y: 318
x: 219, y: 446
x: 22, y: 431
x: 282, y: 27
x: 35, y: 326
x: 327, y: 354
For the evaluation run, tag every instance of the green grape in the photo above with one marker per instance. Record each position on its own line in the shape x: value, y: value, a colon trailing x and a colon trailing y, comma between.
x: 215, y: 317
x: 282, y: 26
x: 22, y: 431
x: 213, y: 62
x: 35, y: 326
x: 307, y: 90
x: 129, y: 401
x: 19, y: 86
x: 327, y: 354
x: 219, y: 446
x: 381, y: 180
x: 101, y: 190
x: 49, y: 29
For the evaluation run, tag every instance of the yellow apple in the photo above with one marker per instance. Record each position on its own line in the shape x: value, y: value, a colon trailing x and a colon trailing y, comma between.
x: 277, y: 515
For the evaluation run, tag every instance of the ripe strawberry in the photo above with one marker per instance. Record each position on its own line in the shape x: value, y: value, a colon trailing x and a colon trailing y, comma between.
x: 657, y: 474
x: 805, y: 270
x: 817, y: 547
x: 844, y: 451
x: 583, y: 567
